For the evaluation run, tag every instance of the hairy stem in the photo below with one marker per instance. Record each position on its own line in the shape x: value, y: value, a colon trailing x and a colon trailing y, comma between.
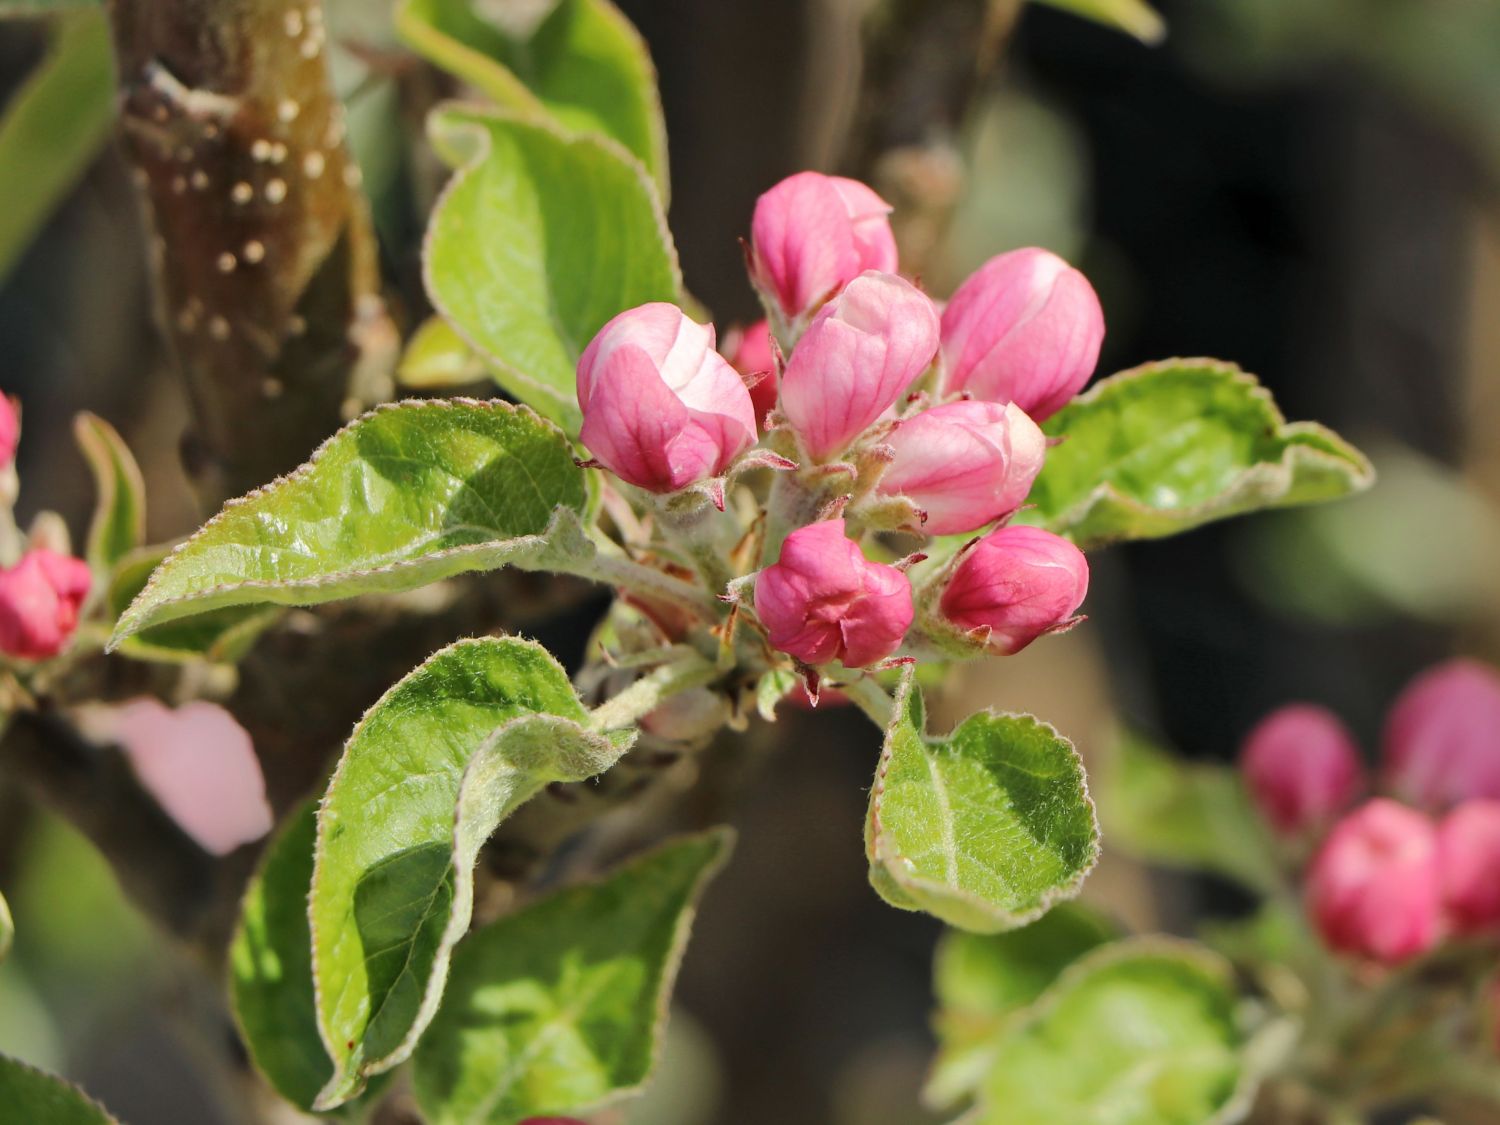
x: 870, y: 698
x: 649, y: 692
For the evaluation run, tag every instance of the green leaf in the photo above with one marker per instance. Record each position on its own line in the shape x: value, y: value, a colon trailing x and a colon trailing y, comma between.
x: 7, y: 928
x: 406, y: 495
x: 1195, y: 816
x: 983, y: 981
x: 220, y: 636
x: 28, y: 1095
x: 1134, y: 17
x: 1141, y: 1032
x: 270, y: 967
x: 1169, y: 446
x: 436, y: 356
x: 539, y: 240
x: 561, y: 1007
x: 984, y: 828
x: 53, y: 126
x: 119, y: 523
x: 428, y: 774
x: 584, y: 64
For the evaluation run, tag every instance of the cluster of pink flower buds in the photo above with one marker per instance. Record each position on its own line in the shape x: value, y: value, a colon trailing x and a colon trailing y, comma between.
x: 42, y: 594
x: 928, y: 418
x: 1398, y: 875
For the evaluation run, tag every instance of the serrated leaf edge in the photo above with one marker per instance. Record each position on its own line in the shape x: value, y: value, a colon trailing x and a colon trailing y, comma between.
x: 332, y: 1094
x: 894, y: 864
x: 725, y: 837
x: 135, y: 619
x: 1278, y: 475
x: 71, y: 1087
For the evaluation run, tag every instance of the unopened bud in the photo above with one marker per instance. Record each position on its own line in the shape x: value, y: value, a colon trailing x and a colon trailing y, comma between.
x: 1014, y: 585
x: 824, y: 601
x: 661, y: 408
x: 811, y: 235
x: 1442, y: 738
x: 1373, y: 888
x: 1469, y: 864
x: 1025, y: 327
x: 856, y: 359
x: 1301, y: 767
x: 965, y: 464
x: 40, y: 599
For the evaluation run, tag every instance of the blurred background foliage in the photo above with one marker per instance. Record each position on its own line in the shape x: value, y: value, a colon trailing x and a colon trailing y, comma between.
x: 1306, y: 187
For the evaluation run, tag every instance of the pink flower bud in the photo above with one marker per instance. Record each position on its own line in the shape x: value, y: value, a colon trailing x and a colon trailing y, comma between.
x: 661, y: 409
x: 857, y: 357
x: 1373, y: 889
x: 965, y: 464
x: 813, y: 234
x: 1014, y: 585
x: 1301, y: 767
x: 1442, y: 737
x: 753, y: 357
x: 1026, y: 328
x: 825, y: 601
x: 198, y: 763
x: 1468, y: 843
x: 39, y: 602
x: 10, y: 430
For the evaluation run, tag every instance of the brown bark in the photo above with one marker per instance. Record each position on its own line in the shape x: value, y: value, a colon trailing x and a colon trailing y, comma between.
x: 265, y: 256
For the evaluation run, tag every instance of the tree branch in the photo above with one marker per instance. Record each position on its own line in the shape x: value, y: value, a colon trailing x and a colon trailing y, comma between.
x: 265, y: 256
x: 189, y: 892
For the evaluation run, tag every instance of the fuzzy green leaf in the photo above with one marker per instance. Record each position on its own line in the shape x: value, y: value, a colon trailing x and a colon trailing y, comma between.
x: 1141, y: 1032
x: 561, y: 1007
x: 119, y: 523
x: 984, y: 981
x: 1169, y: 446
x: 428, y: 774
x: 584, y: 64
x: 219, y: 636
x: 985, y: 827
x: 1134, y: 17
x: 54, y: 125
x: 30, y: 1096
x: 406, y: 495
x: 270, y: 967
x: 539, y: 240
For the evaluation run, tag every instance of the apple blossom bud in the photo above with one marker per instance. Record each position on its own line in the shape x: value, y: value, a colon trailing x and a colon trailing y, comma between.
x: 39, y: 602
x: 1301, y: 767
x: 198, y: 763
x: 753, y: 357
x: 858, y: 357
x: 10, y: 430
x: 1373, y: 888
x: 689, y: 716
x: 1442, y: 736
x: 811, y: 235
x: 965, y: 464
x: 1014, y: 585
x: 823, y: 600
x: 10, y: 438
x: 1025, y: 327
x: 1468, y: 842
x: 661, y: 409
